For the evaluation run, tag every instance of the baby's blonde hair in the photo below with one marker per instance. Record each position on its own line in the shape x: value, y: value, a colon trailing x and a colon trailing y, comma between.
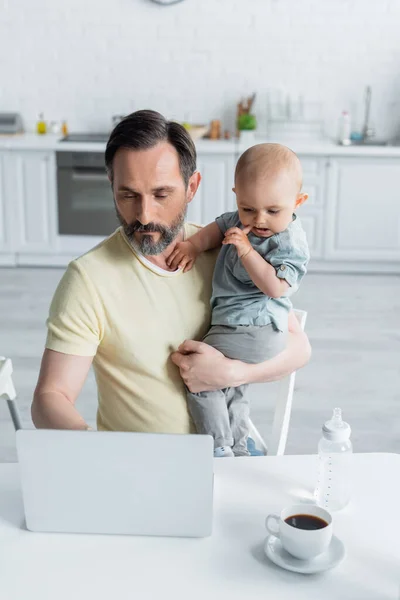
x: 266, y: 160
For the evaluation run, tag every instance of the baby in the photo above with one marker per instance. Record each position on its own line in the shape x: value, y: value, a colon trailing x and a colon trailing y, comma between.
x: 263, y: 258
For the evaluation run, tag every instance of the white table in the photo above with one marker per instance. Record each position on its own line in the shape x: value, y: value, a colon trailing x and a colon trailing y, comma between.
x: 231, y: 564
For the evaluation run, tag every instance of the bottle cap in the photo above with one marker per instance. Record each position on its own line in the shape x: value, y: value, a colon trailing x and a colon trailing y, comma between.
x: 336, y: 430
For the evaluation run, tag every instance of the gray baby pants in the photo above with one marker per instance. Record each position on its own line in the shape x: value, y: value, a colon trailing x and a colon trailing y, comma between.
x: 224, y: 414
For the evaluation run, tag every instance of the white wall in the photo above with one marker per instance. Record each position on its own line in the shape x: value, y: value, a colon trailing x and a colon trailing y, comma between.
x: 85, y: 60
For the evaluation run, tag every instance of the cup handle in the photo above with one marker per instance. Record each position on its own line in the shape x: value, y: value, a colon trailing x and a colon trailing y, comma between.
x: 272, y: 530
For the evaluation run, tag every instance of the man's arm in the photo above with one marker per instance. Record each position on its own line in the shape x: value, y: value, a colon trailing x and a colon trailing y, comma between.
x: 295, y: 356
x: 61, y: 379
x: 204, y: 368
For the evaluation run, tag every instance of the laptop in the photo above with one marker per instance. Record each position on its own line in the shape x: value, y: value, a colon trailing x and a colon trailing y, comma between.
x: 116, y: 482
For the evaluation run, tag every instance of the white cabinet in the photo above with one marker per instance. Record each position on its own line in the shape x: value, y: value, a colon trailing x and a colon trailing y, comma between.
x: 313, y: 226
x: 214, y: 195
x: 363, y: 209
x: 352, y: 216
x: 311, y: 213
x: 7, y: 256
x: 31, y: 192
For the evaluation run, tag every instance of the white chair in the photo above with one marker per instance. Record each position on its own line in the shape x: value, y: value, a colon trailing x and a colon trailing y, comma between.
x: 7, y: 390
x: 283, y: 408
x: 280, y: 426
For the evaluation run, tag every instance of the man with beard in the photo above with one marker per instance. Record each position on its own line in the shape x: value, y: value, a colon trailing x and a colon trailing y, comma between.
x: 123, y: 309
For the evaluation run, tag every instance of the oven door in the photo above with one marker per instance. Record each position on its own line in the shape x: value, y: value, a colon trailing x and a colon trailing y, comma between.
x: 85, y: 201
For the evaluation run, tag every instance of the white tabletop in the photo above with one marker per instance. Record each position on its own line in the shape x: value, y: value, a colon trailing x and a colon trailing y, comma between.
x: 229, y: 565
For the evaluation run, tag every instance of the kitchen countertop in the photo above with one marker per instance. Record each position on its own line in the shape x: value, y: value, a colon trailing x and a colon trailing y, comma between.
x: 328, y: 147
x: 32, y: 141
x: 51, y: 142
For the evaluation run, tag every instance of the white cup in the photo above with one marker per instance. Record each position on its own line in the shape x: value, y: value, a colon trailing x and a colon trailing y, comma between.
x: 301, y: 543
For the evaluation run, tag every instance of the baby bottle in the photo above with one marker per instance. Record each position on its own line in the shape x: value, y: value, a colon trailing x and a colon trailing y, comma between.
x: 334, y: 464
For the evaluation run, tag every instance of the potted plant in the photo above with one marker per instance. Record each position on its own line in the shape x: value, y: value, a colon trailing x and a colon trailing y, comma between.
x: 246, y: 121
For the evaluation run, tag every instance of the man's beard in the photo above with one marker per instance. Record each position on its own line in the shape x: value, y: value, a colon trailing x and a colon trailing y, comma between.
x: 146, y: 245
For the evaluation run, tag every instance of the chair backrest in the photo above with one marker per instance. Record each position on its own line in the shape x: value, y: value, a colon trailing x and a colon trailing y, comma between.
x: 283, y: 408
x: 7, y: 390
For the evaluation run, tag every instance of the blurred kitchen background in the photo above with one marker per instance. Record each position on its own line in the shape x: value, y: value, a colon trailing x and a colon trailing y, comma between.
x: 321, y: 77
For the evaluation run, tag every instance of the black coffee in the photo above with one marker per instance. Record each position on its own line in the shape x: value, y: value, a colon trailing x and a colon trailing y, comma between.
x: 306, y: 522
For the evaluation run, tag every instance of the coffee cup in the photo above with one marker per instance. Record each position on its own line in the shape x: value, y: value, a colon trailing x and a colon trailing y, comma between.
x: 305, y: 530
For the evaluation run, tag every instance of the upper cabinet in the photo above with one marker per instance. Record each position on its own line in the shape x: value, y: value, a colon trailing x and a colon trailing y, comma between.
x: 363, y: 209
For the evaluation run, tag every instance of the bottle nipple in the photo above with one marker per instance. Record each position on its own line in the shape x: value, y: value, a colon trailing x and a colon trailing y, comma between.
x: 337, y: 417
x: 336, y: 428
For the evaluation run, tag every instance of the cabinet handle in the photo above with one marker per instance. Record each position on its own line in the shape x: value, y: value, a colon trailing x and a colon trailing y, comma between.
x: 89, y: 175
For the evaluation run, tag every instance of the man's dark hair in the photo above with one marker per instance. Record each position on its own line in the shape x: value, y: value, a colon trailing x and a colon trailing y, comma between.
x: 145, y: 129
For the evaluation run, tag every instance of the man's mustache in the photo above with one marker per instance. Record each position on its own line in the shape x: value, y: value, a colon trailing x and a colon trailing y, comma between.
x: 138, y: 227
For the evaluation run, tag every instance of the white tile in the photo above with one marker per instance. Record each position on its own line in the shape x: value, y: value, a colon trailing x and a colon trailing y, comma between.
x: 318, y: 49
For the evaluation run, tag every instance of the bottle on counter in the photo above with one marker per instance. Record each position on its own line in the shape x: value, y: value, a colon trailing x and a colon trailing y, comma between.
x: 334, y: 469
x: 41, y: 125
x: 54, y: 127
x: 64, y: 128
x: 345, y: 129
x: 215, y: 129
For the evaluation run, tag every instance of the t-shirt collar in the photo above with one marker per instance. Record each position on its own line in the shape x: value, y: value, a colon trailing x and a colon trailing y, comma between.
x: 146, y: 262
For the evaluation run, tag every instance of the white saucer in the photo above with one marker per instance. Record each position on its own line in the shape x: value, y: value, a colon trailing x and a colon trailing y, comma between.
x: 328, y: 560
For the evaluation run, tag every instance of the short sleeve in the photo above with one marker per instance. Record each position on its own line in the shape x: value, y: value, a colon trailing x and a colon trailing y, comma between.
x: 75, y: 322
x: 290, y: 257
x: 228, y: 220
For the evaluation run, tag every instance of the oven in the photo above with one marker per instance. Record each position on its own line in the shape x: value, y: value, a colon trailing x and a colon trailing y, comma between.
x: 85, y: 201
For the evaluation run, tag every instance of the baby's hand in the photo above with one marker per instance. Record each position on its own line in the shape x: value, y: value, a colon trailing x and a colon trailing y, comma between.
x: 238, y: 237
x: 183, y: 256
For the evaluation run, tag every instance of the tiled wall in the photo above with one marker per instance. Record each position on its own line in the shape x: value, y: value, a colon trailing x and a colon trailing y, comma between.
x: 85, y: 60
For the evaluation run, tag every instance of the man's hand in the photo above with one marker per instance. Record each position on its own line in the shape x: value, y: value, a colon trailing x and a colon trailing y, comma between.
x: 183, y: 256
x: 203, y: 368
x: 238, y: 237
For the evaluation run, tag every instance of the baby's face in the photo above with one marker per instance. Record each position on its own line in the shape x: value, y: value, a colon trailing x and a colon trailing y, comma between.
x: 268, y: 204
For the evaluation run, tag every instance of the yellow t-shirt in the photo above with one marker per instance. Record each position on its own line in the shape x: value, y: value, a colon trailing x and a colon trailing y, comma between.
x: 115, y: 305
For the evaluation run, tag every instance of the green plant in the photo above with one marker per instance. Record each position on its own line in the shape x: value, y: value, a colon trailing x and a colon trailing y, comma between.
x: 247, y: 122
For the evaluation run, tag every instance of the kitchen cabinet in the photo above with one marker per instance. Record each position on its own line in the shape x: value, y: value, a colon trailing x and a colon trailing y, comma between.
x: 363, y: 210
x: 31, y: 192
x: 214, y: 195
x: 311, y: 213
x: 352, y: 216
x: 7, y: 256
